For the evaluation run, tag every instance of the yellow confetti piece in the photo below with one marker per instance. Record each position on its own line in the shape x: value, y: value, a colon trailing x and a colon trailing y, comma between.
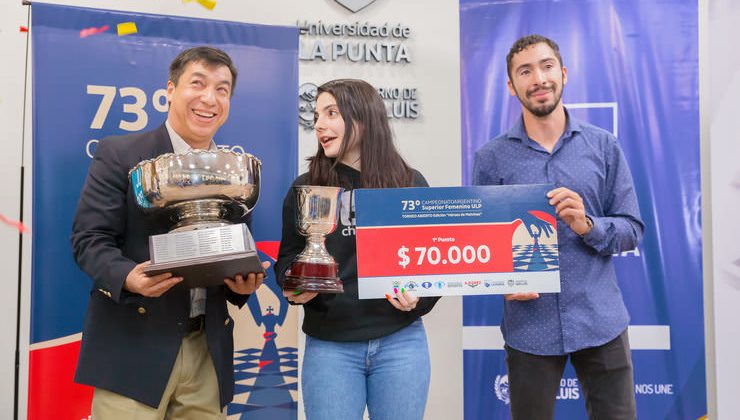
x: 127, y: 28
x: 208, y: 4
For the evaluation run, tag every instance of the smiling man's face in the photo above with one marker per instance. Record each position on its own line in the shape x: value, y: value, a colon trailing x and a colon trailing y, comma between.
x: 199, y: 102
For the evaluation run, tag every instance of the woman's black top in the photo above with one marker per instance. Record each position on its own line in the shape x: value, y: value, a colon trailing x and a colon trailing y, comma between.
x: 343, y: 317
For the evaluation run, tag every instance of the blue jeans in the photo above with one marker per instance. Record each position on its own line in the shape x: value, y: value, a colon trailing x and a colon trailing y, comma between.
x: 389, y: 374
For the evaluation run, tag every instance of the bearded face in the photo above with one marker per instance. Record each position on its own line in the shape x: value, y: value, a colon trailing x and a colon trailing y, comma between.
x: 537, y: 79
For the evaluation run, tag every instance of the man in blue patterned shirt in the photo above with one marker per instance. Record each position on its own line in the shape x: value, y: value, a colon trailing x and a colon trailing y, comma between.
x: 598, y: 216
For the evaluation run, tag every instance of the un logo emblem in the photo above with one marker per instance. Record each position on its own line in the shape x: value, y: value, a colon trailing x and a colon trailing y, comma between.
x: 501, y: 387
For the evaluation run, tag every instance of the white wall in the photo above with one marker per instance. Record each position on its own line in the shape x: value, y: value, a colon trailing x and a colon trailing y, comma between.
x: 720, y: 110
x: 431, y: 143
x: 12, y: 46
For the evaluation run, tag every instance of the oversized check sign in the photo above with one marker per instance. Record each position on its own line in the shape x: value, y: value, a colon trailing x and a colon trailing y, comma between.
x: 456, y: 240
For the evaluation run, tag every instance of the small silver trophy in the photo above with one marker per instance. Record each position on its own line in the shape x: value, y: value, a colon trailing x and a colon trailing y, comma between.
x: 204, y: 192
x: 317, y: 213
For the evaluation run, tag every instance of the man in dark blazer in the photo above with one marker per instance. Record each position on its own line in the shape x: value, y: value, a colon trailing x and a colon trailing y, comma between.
x: 150, y: 349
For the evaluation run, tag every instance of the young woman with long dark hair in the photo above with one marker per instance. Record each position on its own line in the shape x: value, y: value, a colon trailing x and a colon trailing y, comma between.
x: 358, y: 352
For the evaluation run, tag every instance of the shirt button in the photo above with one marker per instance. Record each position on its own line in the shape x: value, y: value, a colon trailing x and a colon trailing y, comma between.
x: 141, y: 310
x: 226, y: 322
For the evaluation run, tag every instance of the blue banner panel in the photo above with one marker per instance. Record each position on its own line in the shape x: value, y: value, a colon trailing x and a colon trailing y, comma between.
x: 632, y: 70
x: 98, y: 73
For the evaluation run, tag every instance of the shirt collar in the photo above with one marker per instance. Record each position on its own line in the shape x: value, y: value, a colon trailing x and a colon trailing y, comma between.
x: 517, y: 131
x: 180, y: 146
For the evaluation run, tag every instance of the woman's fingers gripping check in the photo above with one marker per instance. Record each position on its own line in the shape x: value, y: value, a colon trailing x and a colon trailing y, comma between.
x: 403, y: 301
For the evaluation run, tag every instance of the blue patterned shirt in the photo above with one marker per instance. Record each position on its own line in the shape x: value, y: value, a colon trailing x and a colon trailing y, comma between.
x: 589, y: 310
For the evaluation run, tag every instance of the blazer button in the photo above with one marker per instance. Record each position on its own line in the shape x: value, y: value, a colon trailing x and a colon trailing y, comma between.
x: 142, y: 310
x: 226, y: 322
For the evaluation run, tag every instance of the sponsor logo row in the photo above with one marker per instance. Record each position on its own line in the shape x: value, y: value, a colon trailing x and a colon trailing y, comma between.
x: 414, y: 285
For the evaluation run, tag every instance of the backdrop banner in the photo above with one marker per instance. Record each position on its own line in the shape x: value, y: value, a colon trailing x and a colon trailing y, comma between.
x: 632, y: 70
x: 98, y: 73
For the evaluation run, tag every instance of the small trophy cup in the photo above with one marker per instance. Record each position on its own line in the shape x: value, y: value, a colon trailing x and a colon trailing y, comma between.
x: 314, y: 269
x: 204, y: 192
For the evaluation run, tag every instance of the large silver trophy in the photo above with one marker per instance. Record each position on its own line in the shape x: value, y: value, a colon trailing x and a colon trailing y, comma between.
x: 317, y: 213
x: 203, y: 193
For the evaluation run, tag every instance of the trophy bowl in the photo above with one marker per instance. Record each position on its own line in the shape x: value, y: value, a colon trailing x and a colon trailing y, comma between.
x: 199, y: 186
x: 204, y: 193
x: 317, y: 213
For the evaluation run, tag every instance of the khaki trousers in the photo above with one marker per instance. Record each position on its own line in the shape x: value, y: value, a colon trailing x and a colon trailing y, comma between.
x: 191, y: 392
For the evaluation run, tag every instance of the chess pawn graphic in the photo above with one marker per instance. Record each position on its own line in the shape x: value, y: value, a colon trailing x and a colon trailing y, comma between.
x: 537, y: 261
x: 536, y: 233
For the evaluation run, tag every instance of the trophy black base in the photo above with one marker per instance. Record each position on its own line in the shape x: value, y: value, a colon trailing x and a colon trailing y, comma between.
x: 209, y: 271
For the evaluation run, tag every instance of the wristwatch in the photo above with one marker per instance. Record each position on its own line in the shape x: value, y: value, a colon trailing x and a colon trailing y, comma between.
x: 590, y: 224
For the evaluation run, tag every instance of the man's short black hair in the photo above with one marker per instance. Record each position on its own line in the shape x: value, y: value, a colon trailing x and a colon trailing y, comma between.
x: 209, y: 56
x: 527, y: 41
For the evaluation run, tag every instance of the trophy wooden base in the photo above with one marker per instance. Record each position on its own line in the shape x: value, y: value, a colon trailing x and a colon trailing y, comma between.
x: 313, y: 277
x: 209, y: 271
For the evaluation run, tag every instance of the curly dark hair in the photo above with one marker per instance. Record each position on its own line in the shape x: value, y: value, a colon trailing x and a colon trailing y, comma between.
x: 527, y: 41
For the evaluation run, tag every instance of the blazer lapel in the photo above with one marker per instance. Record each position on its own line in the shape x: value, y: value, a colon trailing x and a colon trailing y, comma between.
x: 161, y: 145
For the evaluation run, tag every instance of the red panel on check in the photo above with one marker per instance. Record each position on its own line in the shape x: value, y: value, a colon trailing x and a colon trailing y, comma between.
x: 447, y: 249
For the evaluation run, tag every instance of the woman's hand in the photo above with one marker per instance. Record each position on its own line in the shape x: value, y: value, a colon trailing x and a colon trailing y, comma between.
x: 298, y: 297
x: 403, y: 301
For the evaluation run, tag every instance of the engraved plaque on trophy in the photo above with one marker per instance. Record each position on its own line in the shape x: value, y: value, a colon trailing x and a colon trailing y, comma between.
x: 317, y: 213
x: 204, y: 193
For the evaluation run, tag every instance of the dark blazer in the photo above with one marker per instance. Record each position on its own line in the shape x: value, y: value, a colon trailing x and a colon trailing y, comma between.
x: 130, y: 342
